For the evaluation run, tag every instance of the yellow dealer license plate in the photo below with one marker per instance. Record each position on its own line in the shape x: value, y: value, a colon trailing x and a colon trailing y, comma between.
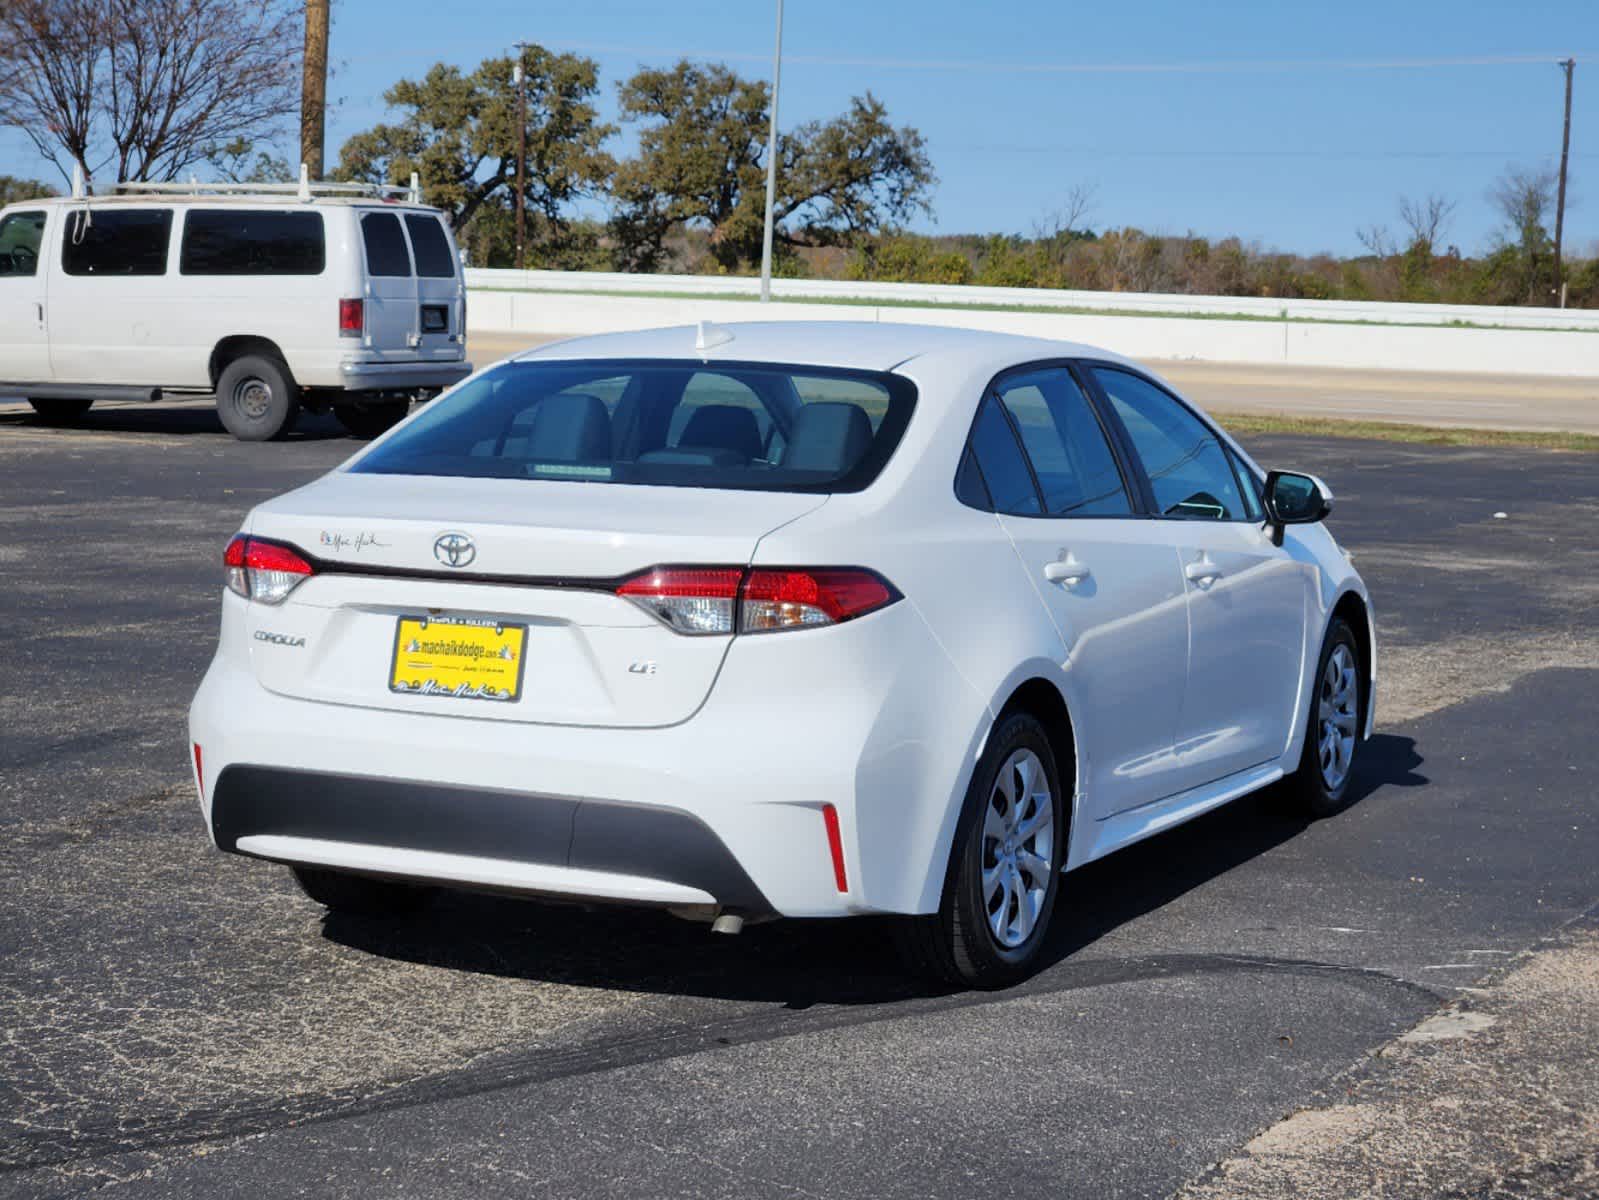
x: 461, y: 657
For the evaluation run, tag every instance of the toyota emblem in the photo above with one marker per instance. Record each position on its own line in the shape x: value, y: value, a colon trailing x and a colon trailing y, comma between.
x: 454, y: 549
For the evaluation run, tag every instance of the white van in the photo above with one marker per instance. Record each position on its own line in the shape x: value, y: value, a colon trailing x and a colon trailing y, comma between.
x: 338, y: 296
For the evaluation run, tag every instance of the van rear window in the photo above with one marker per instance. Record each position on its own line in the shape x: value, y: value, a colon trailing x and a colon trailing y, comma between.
x: 386, y: 254
x: 127, y: 241
x: 431, y: 247
x: 739, y: 426
x: 244, y: 242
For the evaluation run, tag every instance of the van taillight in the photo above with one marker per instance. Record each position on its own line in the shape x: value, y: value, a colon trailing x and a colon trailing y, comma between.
x: 700, y: 600
x: 352, y: 318
x: 262, y: 570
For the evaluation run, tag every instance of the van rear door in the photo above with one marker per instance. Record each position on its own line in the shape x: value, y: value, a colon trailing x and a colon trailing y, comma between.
x: 440, y: 291
x: 390, y: 293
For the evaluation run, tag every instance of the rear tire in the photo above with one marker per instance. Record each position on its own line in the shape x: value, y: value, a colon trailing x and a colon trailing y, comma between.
x: 60, y: 412
x: 1010, y: 845
x: 1320, y: 787
x: 367, y: 420
x: 257, y: 399
x: 361, y: 895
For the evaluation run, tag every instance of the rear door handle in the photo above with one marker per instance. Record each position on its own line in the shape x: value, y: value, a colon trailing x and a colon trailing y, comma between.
x: 1067, y: 569
x: 1203, y: 570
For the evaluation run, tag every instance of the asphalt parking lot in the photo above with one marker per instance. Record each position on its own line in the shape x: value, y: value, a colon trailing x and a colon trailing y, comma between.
x: 175, y: 1023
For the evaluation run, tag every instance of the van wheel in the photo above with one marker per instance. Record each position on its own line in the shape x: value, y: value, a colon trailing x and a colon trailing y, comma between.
x: 60, y: 412
x: 256, y: 399
x: 367, y: 420
x: 1005, y: 868
x: 361, y: 894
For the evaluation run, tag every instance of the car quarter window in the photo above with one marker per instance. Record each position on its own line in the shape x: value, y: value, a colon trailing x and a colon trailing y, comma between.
x: 1188, y: 467
x: 1071, y: 458
x: 1000, y: 462
x: 20, y: 235
x: 386, y: 254
x: 128, y: 241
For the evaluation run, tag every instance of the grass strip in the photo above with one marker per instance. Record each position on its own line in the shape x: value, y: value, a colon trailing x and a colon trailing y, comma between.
x: 1246, y: 424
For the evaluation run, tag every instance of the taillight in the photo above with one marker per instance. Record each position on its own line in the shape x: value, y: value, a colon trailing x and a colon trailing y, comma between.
x: 694, y: 600
x: 352, y: 318
x: 262, y: 570
x: 799, y: 598
x: 711, y: 600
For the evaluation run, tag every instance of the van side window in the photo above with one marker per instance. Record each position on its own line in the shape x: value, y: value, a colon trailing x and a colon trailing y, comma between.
x: 385, y: 245
x: 123, y: 241
x: 432, y: 248
x: 20, y: 235
x: 243, y: 242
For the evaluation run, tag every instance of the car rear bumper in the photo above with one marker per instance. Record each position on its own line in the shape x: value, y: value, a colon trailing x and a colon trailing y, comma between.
x: 400, y: 376
x: 726, y: 808
x: 480, y: 836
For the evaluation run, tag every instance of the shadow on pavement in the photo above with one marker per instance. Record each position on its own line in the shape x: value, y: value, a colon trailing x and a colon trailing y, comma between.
x: 177, y: 419
x: 801, y: 963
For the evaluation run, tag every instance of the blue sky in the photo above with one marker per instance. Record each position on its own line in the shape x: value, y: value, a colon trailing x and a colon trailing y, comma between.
x: 1264, y: 129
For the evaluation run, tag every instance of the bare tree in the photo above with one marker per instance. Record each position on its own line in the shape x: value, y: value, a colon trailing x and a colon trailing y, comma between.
x: 146, y: 87
x: 1524, y: 197
x: 1426, y: 219
x: 1067, y: 219
x: 1377, y: 240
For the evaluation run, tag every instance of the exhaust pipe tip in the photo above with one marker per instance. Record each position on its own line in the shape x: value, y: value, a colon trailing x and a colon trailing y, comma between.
x: 729, y: 923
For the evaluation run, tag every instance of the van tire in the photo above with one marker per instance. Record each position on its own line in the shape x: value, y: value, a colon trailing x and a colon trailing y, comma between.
x: 60, y: 412
x: 368, y: 419
x: 257, y: 399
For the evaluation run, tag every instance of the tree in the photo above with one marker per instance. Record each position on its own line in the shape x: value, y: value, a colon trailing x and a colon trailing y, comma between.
x: 459, y: 133
x: 14, y: 190
x: 241, y: 161
x: 146, y: 87
x: 1426, y: 220
x: 702, y: 161
x: 1523, y: 198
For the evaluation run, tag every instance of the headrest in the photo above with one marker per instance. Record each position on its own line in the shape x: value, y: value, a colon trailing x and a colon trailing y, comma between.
x: 828, y: 436
x: 726, y: 427
x: 570, y: 427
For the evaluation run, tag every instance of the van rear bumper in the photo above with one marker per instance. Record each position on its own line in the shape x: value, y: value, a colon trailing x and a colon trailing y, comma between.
x: 400, y: 377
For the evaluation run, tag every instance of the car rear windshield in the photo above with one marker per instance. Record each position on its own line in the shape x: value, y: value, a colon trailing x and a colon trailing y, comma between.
x: 744, y: 426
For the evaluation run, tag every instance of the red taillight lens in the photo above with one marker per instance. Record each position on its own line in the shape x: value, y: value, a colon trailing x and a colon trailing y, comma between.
x: 264, y: 571
x: 797, y: 598
x: 708, y: 600
x: 696, y: 600
x: 352, y: 318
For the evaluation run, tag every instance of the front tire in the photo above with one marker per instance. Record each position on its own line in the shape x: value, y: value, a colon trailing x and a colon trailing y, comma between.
x: 361, y: 895
x: 1320, y: 787
x: 1005, y: 867
x: 257, y: 399
x: 60, y: 412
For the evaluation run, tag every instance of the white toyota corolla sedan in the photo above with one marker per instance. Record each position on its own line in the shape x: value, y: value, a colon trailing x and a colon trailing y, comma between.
x: 799, y: 619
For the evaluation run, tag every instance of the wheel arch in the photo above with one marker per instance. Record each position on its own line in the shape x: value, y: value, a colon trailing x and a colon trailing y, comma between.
x: 238, y: 345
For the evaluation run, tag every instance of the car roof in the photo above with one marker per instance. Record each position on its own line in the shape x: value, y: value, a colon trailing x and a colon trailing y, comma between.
x: 858, y: 345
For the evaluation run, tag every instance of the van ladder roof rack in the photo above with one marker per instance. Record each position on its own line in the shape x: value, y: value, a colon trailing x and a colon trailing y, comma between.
x: 304, y: 190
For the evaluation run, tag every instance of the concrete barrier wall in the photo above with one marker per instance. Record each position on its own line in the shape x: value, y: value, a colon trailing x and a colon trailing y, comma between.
x: 966, y: 295
x: 1198, y: 339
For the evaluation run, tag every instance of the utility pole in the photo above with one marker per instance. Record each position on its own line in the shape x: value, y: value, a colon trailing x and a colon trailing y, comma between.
x: 518, y: 78
x: 771, y: 162
x: 314, y: 86
x: 1560, y: 196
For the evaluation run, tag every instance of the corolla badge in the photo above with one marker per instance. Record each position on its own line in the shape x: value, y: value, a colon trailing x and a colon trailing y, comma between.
x: 454, y: 549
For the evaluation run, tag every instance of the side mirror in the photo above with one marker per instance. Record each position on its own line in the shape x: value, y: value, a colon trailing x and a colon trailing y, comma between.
x: 1294, y: 499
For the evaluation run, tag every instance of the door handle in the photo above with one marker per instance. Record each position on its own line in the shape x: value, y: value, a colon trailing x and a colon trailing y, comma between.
x: 38, y: 307
x: 1067, y: 569
x: 1203, y: 570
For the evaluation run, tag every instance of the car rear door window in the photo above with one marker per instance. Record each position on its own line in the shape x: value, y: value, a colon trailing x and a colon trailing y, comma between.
x: 246, y: 242
x: 105, y: 241
x: 999, y: 460
x: 431, y: 247
x: 386, y: 254
x: 1071, y: 458
x: 1187, y: 465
